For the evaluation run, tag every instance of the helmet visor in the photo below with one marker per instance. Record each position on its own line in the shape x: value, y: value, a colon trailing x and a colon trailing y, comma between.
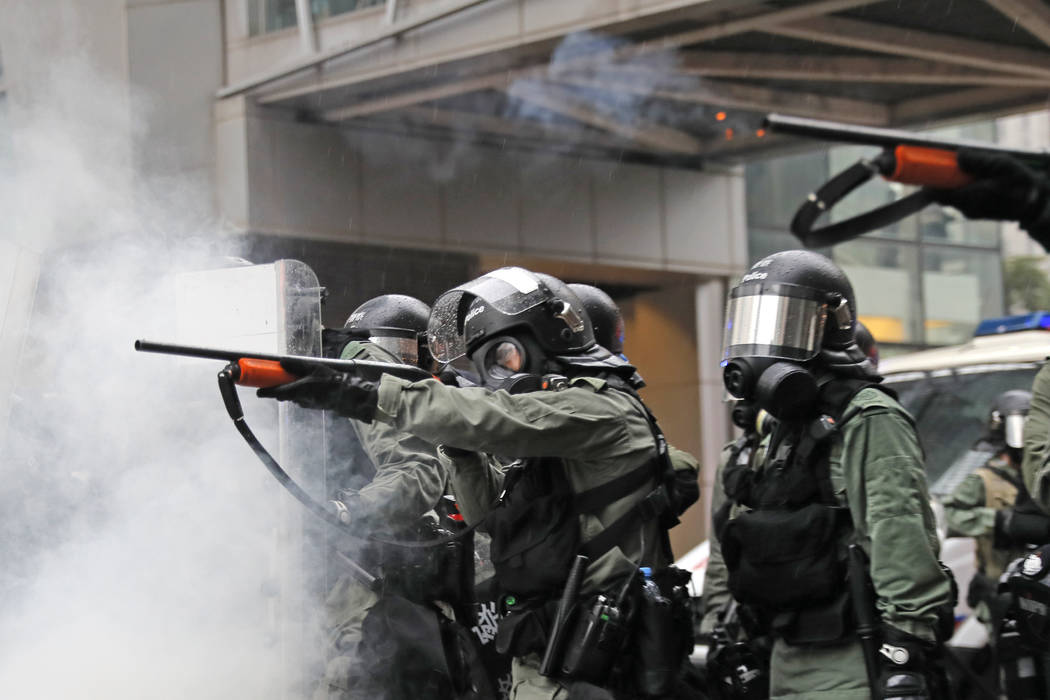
x: 1013, y: 429
x: 406, y: 348
x: 779, y: 320
x: 509, y: 290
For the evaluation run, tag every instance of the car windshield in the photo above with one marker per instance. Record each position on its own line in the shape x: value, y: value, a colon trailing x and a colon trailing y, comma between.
x: 950, y: 407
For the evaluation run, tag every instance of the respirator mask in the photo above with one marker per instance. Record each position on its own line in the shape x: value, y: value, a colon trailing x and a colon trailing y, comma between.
x: 511, y: 363
x: 786, y: 390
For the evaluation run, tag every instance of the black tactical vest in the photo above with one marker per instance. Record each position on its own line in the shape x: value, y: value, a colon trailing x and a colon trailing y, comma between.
x: 786, y: 553
x: 536, y: 530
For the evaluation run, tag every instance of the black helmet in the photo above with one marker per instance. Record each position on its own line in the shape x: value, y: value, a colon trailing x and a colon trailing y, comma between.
x: 395, y: 322
x: 605, y: 316
x: 512, y: 321
x: 1007, y: 418
x: 866, y: 343
x: 790, y: 305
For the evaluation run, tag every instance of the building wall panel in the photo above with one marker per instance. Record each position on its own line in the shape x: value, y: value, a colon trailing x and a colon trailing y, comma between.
x: 628, y: 213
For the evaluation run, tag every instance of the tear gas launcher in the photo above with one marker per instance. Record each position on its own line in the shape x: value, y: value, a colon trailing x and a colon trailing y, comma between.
x: 906, y: 158
x: 260, y: 370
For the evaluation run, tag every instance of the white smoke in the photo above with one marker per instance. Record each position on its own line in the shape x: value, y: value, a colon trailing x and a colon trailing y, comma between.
x: 137, y: 557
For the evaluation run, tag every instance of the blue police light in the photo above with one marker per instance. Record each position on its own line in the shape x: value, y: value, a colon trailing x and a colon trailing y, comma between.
x: 1035, y: 321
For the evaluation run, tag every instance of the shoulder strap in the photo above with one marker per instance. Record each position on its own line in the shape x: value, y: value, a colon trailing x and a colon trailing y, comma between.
x: 657, y: 503
x: 595, y: 499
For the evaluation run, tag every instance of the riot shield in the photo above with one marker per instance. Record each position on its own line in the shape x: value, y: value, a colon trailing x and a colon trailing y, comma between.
x: 274, y: 308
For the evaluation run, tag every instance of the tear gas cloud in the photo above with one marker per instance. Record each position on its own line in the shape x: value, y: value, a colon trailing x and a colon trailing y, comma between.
x: 140, y: 534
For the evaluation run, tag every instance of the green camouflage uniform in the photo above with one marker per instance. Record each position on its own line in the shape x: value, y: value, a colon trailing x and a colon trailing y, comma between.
x: 1036, y: 463
x: 876, y: 471
x: 408, y: 483
x: 599, y: 432
x: 970, y: 512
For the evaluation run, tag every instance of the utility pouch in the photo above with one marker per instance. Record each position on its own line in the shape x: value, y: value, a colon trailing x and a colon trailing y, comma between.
x: 825, y: 624
x: 656, y: 659
x: 596, y: 642
x: 785, y: 559
x: 674, y: 584
x: 535, y: 531
x: 524, y: 632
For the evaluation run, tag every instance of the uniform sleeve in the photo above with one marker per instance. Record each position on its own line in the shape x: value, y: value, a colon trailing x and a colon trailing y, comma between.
x: 686, y: 488
x: 1037, y: 441
x: 890, y: 506
x: 476, y: 482
x: 682, y: 460
x: 409, y: 479
x: 573, y: 423
x: 965, y: 510
x: 716, y: 578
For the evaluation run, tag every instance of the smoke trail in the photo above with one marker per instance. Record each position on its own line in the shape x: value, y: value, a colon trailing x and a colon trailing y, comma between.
x: 139, y: 541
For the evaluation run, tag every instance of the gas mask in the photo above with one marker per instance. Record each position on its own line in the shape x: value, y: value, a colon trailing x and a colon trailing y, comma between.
x: 511, y: 363
x: 786, y: 390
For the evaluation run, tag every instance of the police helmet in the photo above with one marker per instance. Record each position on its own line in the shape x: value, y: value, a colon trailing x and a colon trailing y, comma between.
x: 1007, y: 418
x: 605, y: 316
x: 790, y: 305
x: 395, y: 322
x: 511, y: 320
x: 866, y: 343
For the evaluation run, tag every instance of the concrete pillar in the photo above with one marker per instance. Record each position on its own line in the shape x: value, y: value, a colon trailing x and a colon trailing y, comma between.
x: 715, y: 427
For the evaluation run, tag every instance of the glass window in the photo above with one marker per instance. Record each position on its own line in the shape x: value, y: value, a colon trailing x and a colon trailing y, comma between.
x: 951, y: 410
x: 330, y: 8
x: 885, y: 280
x: 776, y: 187
x: 270, y: 16
x: 960, y: 287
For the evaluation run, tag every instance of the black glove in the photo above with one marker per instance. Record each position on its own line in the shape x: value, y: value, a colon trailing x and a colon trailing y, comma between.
x: 1020, y: 525
x: 1003, y: 189
x: 907, y: 665
x: 328, y: 390
x: 684, y: 490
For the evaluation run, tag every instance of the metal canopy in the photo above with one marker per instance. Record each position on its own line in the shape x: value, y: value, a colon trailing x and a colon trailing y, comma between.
x: 695, y: 82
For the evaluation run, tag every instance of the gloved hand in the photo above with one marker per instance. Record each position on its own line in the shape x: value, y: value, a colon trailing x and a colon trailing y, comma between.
x: 328, y: 390
x: 907, y: 669
x: 1003, y: 189
x: 1020, y: 525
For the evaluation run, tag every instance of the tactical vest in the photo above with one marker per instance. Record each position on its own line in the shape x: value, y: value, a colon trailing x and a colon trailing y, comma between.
x: 1000, y: 491
x: 535, y: 528
x: 787, y: 551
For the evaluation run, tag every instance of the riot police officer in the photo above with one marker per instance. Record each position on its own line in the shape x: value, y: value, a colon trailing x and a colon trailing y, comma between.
x: 842, y: 466
x: 971, y: 510
x: 590, y: 477
x: 403, y: 480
